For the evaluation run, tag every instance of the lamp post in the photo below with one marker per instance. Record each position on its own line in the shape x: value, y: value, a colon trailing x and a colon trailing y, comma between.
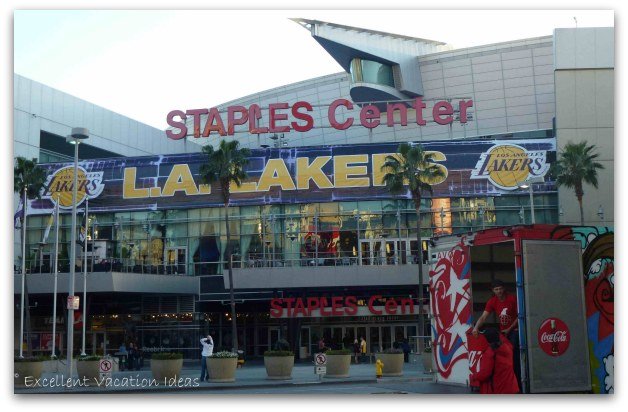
x: 78, y: 134
x: 85, y: 273
x: 527, y: 184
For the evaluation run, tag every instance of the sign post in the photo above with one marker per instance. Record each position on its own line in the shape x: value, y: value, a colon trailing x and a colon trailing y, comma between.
x: 105, y: 366
x: 320, y: 360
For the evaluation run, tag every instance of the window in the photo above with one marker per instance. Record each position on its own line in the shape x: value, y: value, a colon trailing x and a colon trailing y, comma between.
x: 368, y: 71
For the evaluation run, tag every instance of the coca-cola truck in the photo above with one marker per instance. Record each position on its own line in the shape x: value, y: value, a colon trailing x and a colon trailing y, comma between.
x: 563, y: 280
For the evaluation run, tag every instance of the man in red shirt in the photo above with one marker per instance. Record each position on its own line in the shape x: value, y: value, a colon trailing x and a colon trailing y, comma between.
x: 505, y: 307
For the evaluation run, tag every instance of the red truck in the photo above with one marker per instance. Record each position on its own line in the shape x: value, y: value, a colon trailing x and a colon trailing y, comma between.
x: 563, y: 279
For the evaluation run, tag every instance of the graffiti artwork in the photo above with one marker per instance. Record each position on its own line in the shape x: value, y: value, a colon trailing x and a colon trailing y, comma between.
x: 450, y: 304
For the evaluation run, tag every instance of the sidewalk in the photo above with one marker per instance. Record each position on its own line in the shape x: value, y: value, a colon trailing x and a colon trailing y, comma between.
x: 252, y: 375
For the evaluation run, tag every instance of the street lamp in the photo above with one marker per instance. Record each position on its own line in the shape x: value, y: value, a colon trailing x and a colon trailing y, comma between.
x: 78, y: 134
x: 527, y: 184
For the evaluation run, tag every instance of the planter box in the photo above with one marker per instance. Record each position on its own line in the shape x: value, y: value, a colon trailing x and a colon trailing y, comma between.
x: 393, y: 363
x: 279, y: 367
x: 89, y: 370
x: 338, y: 366
x: 222, y: 369
x: 166, y: 369
x: 22, y: 370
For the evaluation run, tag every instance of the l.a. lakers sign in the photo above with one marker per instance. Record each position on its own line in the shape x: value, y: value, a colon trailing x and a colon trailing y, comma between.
x: 508, y: 165
x: 59, y: 186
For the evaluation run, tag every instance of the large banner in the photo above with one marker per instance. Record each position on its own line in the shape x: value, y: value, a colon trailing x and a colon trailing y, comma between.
x: 295, y: 175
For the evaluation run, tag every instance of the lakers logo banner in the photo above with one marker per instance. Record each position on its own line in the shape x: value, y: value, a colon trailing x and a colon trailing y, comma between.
x: 471, y: 168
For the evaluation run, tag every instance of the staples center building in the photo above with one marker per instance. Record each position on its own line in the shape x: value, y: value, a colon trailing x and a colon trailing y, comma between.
x: 319, y: 247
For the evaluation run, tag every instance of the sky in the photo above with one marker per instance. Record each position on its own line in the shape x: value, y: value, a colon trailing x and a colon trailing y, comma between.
x: 144, y: 63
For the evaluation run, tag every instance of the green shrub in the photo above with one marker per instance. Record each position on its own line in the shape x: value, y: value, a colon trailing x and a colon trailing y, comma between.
x: 338, y: 352
x: 224, y: 354
x: 167, y: 355
x: 31, y: 359
x: 89, y: 358
x: 392, y: 351
x: 278, y: 353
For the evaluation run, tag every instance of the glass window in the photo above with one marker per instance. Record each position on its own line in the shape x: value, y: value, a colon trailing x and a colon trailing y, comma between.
x: 368, y: 71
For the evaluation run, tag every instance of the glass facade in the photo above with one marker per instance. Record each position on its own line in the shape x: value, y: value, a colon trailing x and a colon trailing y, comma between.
x: 193, y: 242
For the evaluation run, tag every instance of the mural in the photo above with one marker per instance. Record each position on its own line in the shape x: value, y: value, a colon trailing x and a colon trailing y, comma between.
x: 450, y: 289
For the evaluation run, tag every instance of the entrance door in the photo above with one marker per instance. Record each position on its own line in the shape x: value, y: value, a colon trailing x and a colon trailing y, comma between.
x: 274, y: 334
x: 365, y: 246
x: 99, y: 343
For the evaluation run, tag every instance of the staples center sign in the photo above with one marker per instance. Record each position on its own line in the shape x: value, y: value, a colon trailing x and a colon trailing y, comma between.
x: 339, y: 306
x: 282, y: 117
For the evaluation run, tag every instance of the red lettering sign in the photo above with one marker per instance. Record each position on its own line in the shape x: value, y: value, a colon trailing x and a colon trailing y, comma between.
x: 279, y: 117
x: 337, y: 306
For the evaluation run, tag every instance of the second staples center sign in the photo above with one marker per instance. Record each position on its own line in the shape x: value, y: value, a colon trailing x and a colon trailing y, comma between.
x: 316, y: 306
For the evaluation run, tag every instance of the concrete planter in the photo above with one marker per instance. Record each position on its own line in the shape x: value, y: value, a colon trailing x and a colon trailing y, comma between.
x: 89, y: 370
x: 166, y: 368
x: 338, y: 366
x: 24, y: 370
x: 279, y: 367
x: 222, y: 369
x: 393, y: 363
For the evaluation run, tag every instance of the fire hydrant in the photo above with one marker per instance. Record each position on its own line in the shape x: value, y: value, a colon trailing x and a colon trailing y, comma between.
x: 379, y: 367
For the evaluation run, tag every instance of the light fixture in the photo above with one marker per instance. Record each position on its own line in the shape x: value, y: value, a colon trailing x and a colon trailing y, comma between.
x: 600, y: 212
x: 77, y: 135
x: 527, y: 184
x: 561, y: 212
x: 507, y: 233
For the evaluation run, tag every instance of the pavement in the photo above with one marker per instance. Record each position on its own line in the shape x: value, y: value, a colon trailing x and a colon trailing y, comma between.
x: 251, y: 376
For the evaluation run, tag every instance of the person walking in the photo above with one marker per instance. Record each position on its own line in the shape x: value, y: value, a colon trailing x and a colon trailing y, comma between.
x: 362, y: 347
x: 208, y: 349
x: 495, y: 371
x: 356, y: 350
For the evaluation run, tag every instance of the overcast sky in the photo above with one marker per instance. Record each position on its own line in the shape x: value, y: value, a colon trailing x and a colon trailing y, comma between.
x: 142, y: 64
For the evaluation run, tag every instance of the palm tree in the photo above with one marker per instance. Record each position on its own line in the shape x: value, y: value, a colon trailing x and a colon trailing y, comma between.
x: 226, y: 166
x: 415, y: 168
x: 576, y: 165
x: 28, y: 181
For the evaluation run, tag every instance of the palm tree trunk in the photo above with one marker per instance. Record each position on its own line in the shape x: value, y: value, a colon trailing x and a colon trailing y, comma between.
x: 234, y: 328
x: 417, y: 206
x: 579, y: 194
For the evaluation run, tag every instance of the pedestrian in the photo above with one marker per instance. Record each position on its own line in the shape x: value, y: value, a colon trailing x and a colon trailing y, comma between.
x: 131, y: 354
x: 379, y: 368
x: 362, y: 347
x: 356, y: 350
x: 321, y: 345
x: 208, y: 349
x: 504, y: 305
x: 406, y: 350
x: 495, y: 371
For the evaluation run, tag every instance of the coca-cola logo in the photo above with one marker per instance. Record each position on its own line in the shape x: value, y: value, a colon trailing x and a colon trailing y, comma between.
x: 554, y: 336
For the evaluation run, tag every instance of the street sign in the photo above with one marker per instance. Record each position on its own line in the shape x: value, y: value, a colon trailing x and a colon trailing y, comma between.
x: 105, y: 366
x: 320, y: 359
x: 73, y: 302
x: 320, y: 370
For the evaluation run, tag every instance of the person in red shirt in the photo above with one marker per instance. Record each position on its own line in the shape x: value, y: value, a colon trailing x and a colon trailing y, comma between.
x: 495, y: 369
x: 505, y: 307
